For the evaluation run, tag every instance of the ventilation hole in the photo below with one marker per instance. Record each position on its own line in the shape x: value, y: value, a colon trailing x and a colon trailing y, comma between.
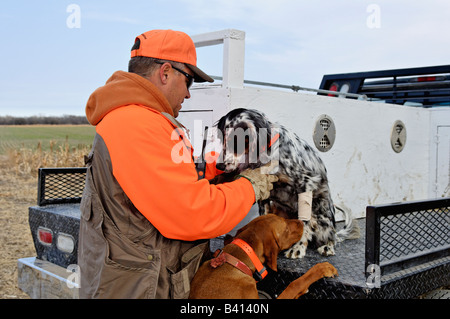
x: 324, y: 133
x: 398, y: 136
x: 325, y: 142
x: 325, y: 124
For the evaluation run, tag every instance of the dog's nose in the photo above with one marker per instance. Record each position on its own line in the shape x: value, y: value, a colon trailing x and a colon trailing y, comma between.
x: 220, y: 166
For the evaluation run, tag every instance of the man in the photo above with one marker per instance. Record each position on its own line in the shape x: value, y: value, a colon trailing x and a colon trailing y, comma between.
x: 144, y: 214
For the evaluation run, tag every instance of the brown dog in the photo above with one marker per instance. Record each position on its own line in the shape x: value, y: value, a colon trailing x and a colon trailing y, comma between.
x: 267, y: 235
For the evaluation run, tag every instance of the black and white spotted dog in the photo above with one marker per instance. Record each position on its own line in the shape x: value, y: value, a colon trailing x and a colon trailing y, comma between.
x: 249, y: 140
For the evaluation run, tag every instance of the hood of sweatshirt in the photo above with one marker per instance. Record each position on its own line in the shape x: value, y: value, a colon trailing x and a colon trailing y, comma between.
x: 124, y: 88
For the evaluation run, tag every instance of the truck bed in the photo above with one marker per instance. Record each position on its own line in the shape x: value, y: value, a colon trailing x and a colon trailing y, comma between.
x: 403, y: 252
x: 45, y: 279
x: 352, y: 281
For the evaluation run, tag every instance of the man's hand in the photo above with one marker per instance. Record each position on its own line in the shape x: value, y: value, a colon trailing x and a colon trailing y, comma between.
x: 262, y: 179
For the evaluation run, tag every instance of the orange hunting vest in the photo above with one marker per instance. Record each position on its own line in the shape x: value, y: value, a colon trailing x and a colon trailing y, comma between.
x: 145, y: 215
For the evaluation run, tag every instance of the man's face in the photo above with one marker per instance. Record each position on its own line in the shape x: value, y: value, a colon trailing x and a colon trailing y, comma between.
x: 178, y: 90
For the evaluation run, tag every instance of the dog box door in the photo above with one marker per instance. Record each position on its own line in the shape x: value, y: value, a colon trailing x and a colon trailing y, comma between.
x: 443, y: 162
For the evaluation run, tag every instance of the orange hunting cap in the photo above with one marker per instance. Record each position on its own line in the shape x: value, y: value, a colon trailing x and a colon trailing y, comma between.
x: 169, y: 45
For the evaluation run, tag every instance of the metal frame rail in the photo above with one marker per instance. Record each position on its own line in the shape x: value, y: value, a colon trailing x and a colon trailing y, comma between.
x: 405, y: 235
x: 426, y: 85
x: 297, y: 88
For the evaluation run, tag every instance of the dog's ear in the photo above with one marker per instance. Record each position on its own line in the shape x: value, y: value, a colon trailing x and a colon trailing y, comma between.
x: 271, y: 250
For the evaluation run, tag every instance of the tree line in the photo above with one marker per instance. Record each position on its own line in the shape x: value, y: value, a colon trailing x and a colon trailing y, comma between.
x: 48, y: 120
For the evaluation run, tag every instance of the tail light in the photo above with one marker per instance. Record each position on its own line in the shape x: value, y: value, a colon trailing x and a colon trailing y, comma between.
x: 339, y: 87
x: 426, y: 79
x: 429, y: 78
x: 333, y: 87
x: 45, y: 236
x: 65, y: 243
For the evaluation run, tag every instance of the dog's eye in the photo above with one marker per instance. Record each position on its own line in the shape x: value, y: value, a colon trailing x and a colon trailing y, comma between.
x: 238, y: 139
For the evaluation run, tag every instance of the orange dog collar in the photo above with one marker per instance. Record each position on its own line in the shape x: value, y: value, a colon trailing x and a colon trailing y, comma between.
x: 272, y: 141
x: 261, y: 271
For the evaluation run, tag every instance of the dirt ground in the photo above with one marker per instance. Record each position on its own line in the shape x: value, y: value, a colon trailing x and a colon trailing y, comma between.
x: 17, y: 193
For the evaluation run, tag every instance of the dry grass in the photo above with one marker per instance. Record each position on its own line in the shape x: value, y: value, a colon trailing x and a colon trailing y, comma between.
x: 26, y: 161
x: 18, y: 191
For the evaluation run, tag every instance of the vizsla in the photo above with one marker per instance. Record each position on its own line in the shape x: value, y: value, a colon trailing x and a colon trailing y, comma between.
x: 267, y: 235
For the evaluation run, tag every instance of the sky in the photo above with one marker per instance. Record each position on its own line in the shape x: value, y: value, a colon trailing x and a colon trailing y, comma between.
x: 55, y: 53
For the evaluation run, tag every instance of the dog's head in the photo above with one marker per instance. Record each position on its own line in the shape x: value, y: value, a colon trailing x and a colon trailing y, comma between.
x: 274, y: 234
x: 246, y: 137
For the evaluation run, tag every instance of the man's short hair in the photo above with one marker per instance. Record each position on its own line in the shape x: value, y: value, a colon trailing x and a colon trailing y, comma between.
x: 145, y: 66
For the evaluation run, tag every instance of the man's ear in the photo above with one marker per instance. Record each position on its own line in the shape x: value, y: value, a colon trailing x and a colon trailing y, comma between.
x: 271, y: 250
x: 164, y: 73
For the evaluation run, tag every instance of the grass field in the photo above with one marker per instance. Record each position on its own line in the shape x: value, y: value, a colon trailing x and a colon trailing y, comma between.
x: 24, y: 149
x: 47, y: 136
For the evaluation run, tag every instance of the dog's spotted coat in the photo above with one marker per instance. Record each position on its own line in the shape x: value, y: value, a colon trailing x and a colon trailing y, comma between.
x: 300, y: 170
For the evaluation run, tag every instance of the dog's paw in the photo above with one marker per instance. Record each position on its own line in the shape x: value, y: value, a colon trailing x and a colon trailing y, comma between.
x: 326, y: 250
x: 296, y: 252
x: 326, y: 269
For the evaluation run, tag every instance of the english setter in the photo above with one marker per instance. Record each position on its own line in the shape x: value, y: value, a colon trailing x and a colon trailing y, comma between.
x: 250, y: 140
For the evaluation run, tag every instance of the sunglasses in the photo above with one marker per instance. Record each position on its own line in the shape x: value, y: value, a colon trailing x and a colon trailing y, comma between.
x: 187, y: 75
